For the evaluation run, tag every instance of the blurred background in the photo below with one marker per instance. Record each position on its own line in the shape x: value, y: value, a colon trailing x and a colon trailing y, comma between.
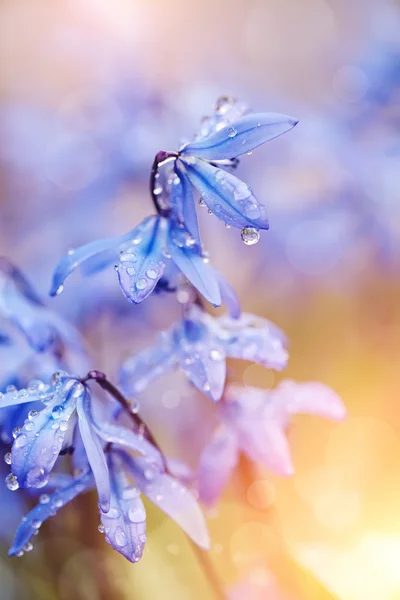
x: 90, y: 90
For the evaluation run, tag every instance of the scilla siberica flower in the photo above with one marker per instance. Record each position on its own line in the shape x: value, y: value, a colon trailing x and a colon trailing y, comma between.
x: 253, y: 421
x: 144, y: 254
x: 119, y: 461
x: 200, y: 344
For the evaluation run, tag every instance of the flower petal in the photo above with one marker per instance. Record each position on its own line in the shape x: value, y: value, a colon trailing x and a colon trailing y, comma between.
x: 229, y: 198
x: 183, y: 204
x: 139, y: 370
x: 41, y: 392
x: 206, y: 369
x: 142, y: 263
x: 75, y: 257
x: 255, y: 339
x: 94, y: 450
x: 200, y: 274
x: 241, y: 136
x: 37, y: 446
x: 121, y: 436
x: 217, y: 462
x: 31, y: 523
x: 173, y: 499
x: 311, y: 397
x: 125, y: 523
x: 264, y: 441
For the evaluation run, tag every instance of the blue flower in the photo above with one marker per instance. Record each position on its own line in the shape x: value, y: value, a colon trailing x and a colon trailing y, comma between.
x: 142, y: 256
x: 254, y: 421
x: 199, y: 346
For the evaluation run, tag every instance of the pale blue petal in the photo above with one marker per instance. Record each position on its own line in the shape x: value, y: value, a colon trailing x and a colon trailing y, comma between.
x: 194, y: 267
x: 229, y: 198
x: 76, y: 257
x: 216, y: 465
x: 255, y: 339
x: 121, y: 436
x: 94, y: 451
x: 205, y: 368
x: 32, y: 522
x: 36, y: 448
x: 125, y: 523
x: 142, y: 263
x: 139, y: 370
x: 241, y: 136
x: 311, y: 397
x: 183, y: 204
x: 42, y: 393
x: 173, y: 498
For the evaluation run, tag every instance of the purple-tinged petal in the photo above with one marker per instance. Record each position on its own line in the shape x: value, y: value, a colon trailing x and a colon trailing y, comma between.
x: 254, y: 339
x: 310, y: 397
x: 180, y: 470
x: 142, y: 263
x: 241, y: 136
x: 94, y: 451
x: 229, y: 297
x: 125, y: 523
x: 31, y: 523
x: 139, y: 370
x: 217, y: 463
x: 76, y: 257
x: 195, y: 268
x: 183, y: 204
x: 121, y: 436
x: 38, y: 444
x: 229, y: 198
x: 264, y: 441
x: 173, y: 498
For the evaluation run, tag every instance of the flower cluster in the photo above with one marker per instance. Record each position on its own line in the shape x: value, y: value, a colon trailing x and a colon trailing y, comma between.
x: 108, y: 445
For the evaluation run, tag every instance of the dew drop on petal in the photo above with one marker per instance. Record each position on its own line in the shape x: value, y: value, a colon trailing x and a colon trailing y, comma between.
x: 141, y: 284
x: 231, y: 132
x: 120, y: 537
x: 151, y: 273
x: 57, y: 411
x: 36, y: 524
x: 44, y: 499
x: 12, y: 482
x: 28, y: 547
x: 250, y: 236
x: 8, y: 458
x: 201, y: 202
x: 101, y: 528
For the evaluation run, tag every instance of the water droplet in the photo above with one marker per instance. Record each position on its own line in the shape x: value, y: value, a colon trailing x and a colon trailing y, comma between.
x: 218, y: 208
x: 134, y: 406
x: 219, y: 174
x: 36, y: 524
x: 7, y: 458
x: 151, y: 273
x: 113, y: 513
x: 59, y: 290
x: 223, y: 104
x: 130, y: 271
x: 201, y: 202
x: 20, y: 441
x: 29, y: 426
x: 231, y: 132
x: 32, y: 414
x: 216, y: 354
x: 159, y: 497
x: 44, y: 499
x: 23, y: 393
x: 149, y: 474
x: 16, y: 432
x: 250, y: 236
x: 209, y: 211
x: 12, y: 482
x: 57, y: 411
x: 19, y: 554
x: 250, y: 153
x: 136, y: 515
x: 101, y: 528
x: 37, y: 477
x: 227, y: 225
x: 158, y: 189
x: 28, y: 547
x: 10, y: 389
x: 141, y: 284
x: 206, y: 387
x: 120, y: 537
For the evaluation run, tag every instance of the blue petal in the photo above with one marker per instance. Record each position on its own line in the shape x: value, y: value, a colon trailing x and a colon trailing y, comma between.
x: 31, y: 523
x: 75, y: 257
x: 142, y: 264
x: 183, y: 204
x: 241, y: 136
x: 193, y: 265
x: 125, y: 523
x: 36, y: 448
x: 121, y: 436
x: 173, y: 498
x: 94, y: 451
x: 229, y: 198
x: 140, y: 369
x: 255, y: 339
x: 41, y: 392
